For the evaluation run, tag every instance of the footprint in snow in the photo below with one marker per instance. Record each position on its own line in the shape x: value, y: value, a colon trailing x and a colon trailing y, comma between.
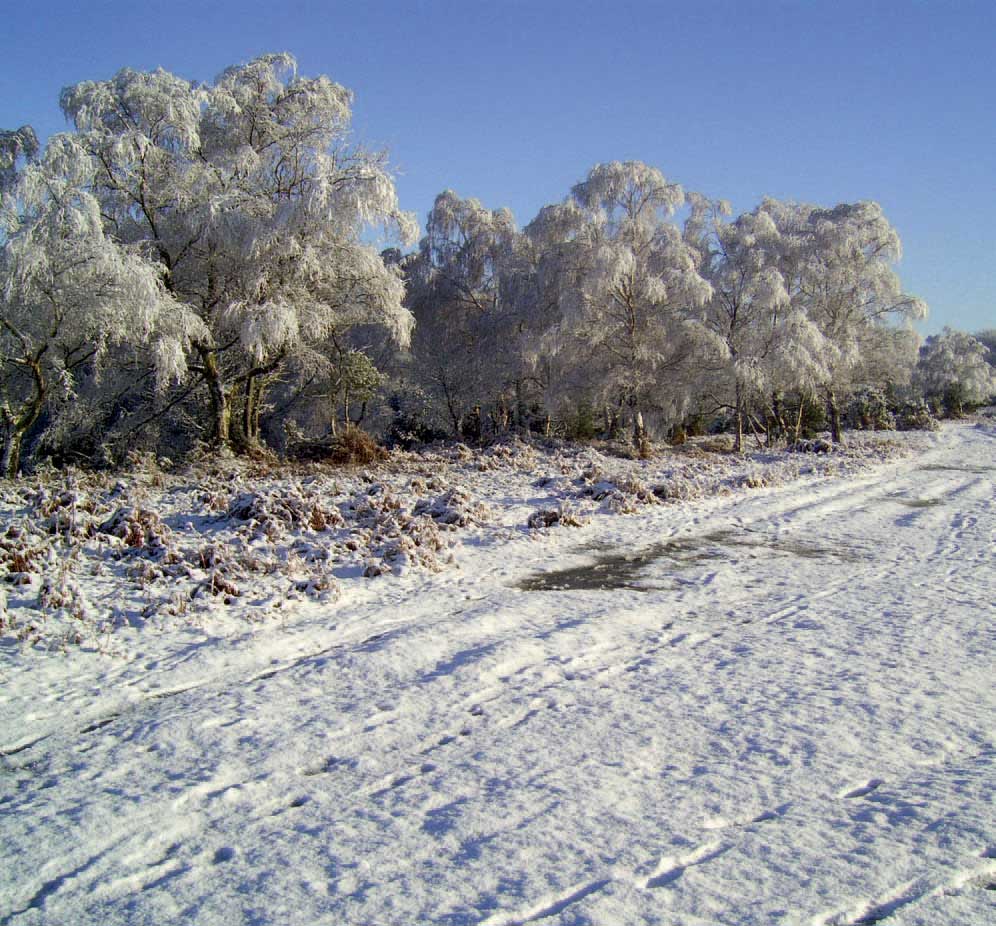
x: 331, y: 764
x: 862, y: 790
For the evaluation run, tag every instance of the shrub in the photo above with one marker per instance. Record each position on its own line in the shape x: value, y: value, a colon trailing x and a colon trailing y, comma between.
x: 355, y: 446
x: 818, y: 445
x: 580, y: 424
x: 813, y: 420
x: 721, y: 443
x: 868, y: 410
x: 916, y: 416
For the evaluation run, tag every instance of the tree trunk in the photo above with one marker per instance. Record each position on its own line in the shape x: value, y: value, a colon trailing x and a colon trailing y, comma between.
x: 14, y: 427
x: 738, y: 442
x: 520, y: 409
x: 221, y: 407
x: 456, y: 417
x: 502, y: 416
x: 250, y: 411
x: 612, y: 424
x: 797, y: 427
x: 10, y: 462
x: 257, y: 381
x: 472, y: 425
x: 779, y: 427
x: 833, y: 410
x: 640, y: 440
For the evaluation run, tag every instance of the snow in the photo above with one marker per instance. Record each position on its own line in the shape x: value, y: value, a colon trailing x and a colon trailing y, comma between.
x: 777, y: 709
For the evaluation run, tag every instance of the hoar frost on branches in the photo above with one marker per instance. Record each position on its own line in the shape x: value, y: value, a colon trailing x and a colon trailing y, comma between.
x: 68, y: 291
x: 627, y: 290
x: 770, y: 346
x: 953, y: 369
x: 16, y: 146
x: 469, y: 289
x: 250, y: 195
x: 606, y: 301
x: 838, y: 266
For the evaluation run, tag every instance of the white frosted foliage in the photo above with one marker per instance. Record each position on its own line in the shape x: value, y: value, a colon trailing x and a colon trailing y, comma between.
x: 252, y: 195
x: 955, y: 359
x: 626, y: 287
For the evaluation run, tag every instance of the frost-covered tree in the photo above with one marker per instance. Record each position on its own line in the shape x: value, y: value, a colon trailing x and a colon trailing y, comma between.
x: 627, y: 291
x: 770, y: 346
x: 838, y: 267
x: 467, y: 286
x: 953, y: 370
x: 251, y: 195
x: 68, y: 292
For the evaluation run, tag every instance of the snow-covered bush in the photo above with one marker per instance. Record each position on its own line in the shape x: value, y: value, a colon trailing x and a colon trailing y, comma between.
x: 281, y: 509
x: 564, y: 515
x: 455, y: 507
x: 753, y: 480
x: 624, y: 496
x: 353, y: 447
x: 816, y: 445
x: 138, y: 528
x: 413, y: 543
x: 868, y: 410
x: 916, y: 416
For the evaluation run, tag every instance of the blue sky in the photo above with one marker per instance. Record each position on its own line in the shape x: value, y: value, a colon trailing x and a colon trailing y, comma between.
x: 513, y: 102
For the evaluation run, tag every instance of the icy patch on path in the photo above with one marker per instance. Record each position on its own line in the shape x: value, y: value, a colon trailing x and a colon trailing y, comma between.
x: 610, y: 571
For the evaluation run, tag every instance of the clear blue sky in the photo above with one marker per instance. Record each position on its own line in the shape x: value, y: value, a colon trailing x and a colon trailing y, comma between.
x: 513, y: 102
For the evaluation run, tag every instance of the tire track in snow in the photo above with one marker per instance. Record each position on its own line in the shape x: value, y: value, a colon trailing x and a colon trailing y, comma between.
x: 527, y: 673
x: 224, y: 683
x: 668, y: 870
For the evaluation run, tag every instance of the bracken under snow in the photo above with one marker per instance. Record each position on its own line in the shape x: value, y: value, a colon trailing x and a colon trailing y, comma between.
x: 87, y: 556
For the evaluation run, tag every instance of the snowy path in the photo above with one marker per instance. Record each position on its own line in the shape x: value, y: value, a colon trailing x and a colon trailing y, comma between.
x: 783, y: 713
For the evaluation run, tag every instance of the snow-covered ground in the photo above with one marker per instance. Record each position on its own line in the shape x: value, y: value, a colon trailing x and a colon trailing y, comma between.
x: 769, y: 703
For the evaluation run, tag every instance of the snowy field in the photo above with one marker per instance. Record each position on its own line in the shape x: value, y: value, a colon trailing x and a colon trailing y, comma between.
x: 747, y: 692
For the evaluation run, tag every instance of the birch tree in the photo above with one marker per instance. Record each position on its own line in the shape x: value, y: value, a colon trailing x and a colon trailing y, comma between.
x: 465, y: 290
x: 773, y: 348
x: 838, y: 265
x: 953, y: 369
x: 744, y: 312
x: 68, y: 292
x: 251, y: 195
x: 627, y: 289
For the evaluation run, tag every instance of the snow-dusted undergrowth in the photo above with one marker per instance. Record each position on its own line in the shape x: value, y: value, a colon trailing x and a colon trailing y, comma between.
x: 86, y: 556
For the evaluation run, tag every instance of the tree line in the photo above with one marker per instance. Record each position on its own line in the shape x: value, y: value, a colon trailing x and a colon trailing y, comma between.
x: 198, y: 264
